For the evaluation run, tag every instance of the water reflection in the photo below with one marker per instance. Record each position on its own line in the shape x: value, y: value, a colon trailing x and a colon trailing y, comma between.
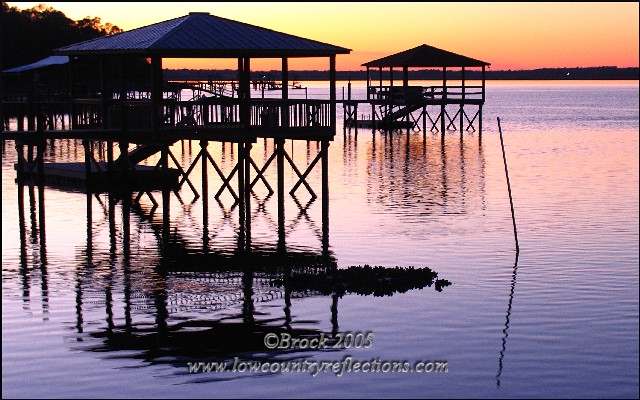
x: 507, y: 321
x: 415, y: 174
x: 144, y: 292
x: 35, y: 243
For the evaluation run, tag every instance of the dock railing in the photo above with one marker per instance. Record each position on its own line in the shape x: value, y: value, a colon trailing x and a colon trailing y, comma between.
x: 136, y: 116
x: 411, y: 94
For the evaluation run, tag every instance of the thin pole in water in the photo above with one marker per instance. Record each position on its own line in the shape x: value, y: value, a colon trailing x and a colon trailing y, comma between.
x: 506, y: 171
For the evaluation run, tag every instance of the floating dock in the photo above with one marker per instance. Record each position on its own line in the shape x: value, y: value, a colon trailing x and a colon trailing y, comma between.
x: 99, y: 179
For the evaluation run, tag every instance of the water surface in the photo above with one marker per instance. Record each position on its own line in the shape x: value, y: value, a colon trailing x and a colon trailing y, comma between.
x: 88, y: 313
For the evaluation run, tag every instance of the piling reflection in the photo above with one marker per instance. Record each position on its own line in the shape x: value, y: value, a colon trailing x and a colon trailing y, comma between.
x: 33, y: 240
x: 418, y: 174
x: 146, y: 293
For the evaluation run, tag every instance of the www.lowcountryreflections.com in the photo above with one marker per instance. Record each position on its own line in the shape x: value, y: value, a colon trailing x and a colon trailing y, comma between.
x: 348, y: 364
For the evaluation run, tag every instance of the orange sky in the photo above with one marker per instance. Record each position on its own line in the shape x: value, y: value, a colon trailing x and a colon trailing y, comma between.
x: 507, y: 35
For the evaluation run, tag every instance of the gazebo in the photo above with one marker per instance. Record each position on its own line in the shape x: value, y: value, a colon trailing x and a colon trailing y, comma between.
x: 201, y: 35
x: 412, y: 97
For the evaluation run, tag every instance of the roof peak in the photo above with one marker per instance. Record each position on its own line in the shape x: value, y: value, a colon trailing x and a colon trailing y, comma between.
x: 199, y: 13
x: 425, y: 55
x: 200, y: 34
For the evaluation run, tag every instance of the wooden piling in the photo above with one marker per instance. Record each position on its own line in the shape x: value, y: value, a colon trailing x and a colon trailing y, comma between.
x: 166, y: 200
x: 241, y: 196
x: 279, y: 144
x: 325, y: 194
x: 247, y: 192
x: 205, y: 197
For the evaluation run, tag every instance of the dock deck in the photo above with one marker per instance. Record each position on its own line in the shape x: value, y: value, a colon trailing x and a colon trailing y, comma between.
x: 73, y: 175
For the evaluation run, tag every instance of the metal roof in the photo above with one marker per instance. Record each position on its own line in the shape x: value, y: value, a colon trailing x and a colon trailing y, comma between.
x: 426, y: 56
x: 203, y: 35
x: 45, y: 62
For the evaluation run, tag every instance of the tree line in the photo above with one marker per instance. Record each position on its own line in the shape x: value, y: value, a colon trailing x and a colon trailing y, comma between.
x: 32, y: 34
x: 585, y: 73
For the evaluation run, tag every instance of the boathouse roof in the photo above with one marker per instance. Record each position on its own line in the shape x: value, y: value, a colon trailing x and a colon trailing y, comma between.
x: 45, y: 62
x: 426, y: 56
x: 203, y: 35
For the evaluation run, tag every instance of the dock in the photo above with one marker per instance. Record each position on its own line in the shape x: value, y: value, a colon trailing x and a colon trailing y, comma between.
x: 73, y: 175
x: 110, y: 93
x: 436, y: 107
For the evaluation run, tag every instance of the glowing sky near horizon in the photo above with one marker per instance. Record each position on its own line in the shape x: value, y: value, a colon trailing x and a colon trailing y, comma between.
x: 507, y: 35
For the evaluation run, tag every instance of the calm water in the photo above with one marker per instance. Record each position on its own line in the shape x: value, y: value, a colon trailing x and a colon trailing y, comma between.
x: 93, y: 306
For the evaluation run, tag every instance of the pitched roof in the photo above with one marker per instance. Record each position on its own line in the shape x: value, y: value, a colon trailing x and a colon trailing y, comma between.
x: 426, y: 56
x: 203, y: 35
x: 45, y: 62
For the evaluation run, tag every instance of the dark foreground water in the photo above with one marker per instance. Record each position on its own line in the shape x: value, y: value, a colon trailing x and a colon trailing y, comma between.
x: 94, y: 306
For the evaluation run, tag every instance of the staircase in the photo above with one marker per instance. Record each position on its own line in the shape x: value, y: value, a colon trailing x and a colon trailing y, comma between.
x: 140, y: 154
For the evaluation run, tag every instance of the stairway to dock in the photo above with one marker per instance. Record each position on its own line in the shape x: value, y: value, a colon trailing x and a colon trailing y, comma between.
x: 401, y: 113
x: 140, y: 154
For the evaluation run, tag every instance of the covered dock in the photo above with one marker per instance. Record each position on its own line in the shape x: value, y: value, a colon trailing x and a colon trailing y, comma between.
x: 117, y: 97
x: 395, y: 104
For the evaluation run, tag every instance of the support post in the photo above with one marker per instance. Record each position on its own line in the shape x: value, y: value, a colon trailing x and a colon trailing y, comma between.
x: 281, y: 216
x: 205, y: 197
x: 332, y: 91
x: 462, y: 102
x: 483, y: 82
x: 405, y: 76
x: 87, y: 163
x: 40, y: 158
x: 124, y: 164
x: 285, y: 93
x: 110, y: 160
x: 103, y: 94
x: 165, y: 194
x: 443, y: 106
x: 241, y: 197
x: 247, y: 192
x: 368, y: 84
x: 325, y: 195
x: 156, y: 95
x: 424, y: 120
x: 480, y: 123
x: 72, y: 93
x: 20, y: 151
x: 122, y: 96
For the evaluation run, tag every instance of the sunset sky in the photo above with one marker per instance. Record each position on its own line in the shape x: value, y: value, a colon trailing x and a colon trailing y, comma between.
x: 507, y: 35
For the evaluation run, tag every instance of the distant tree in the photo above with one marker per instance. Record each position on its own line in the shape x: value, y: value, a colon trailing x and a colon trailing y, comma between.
x: 32, y: 34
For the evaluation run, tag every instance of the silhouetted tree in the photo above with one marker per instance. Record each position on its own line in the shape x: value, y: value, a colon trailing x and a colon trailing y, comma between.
x: 32, y: 34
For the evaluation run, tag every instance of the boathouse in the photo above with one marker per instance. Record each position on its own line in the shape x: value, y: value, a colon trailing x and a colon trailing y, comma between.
x: 117, y: 97
x: 393, y: 104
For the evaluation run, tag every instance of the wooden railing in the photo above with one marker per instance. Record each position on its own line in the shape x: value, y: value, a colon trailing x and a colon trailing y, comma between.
x: 416, y: 93
x: 136, y: 116
x: 263, y: 113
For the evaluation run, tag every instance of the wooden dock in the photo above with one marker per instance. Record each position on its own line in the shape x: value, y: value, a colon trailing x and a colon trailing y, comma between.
x: 438, y: 107
x: 434, y: 108
x: 73, y: 175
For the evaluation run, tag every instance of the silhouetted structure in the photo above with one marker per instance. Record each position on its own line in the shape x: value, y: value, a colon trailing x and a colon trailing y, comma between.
x: 123, y: 106
x: 393, y: 106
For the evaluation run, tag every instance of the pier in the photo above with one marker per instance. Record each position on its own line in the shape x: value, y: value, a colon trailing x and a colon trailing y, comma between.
x: 436, y: 107
x: 116, y: 99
